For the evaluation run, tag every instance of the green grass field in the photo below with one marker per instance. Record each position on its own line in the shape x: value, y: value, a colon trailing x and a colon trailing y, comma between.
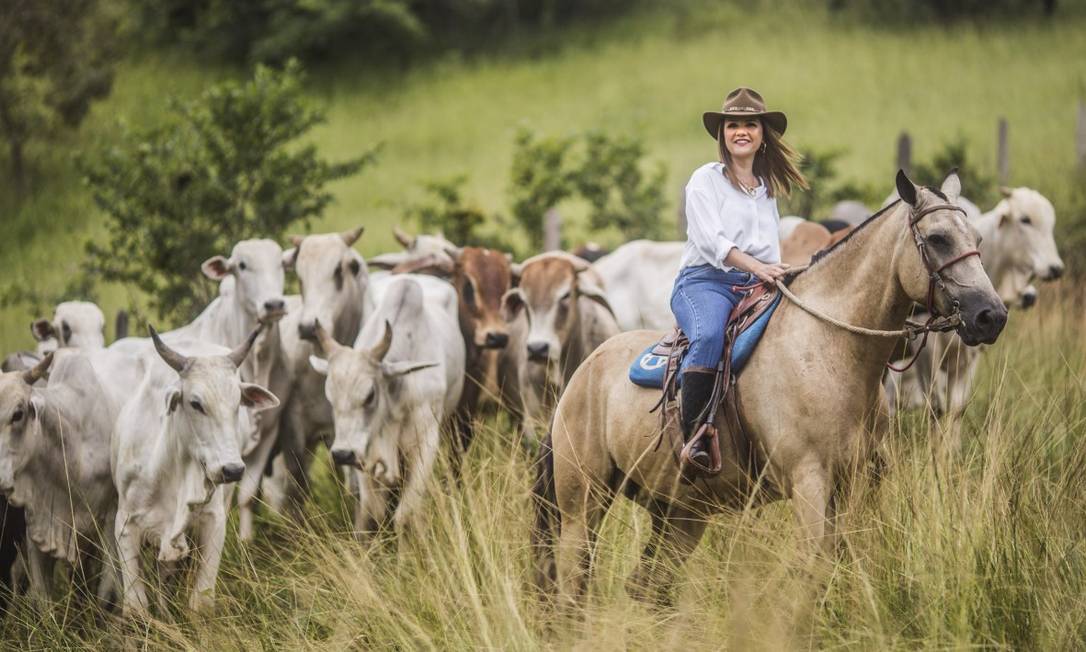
x: 652, y: 74
x: 979, y: 550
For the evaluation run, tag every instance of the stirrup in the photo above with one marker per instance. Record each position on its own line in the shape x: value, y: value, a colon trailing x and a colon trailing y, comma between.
x: 715, y: 461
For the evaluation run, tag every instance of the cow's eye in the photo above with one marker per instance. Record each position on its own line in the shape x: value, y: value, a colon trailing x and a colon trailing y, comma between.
x: 196, y: 406
x: 354, y: 267
x: 371, y: 398
x: 566, y: 297
x: 242, y: 266
x: 338, y: 277
x: 17, y: 415
x: 1026, y: 219
x: 66, y: 330
x: 468, y: 291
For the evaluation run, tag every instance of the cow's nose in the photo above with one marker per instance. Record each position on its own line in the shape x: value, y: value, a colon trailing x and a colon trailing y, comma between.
x: 307, y: 331
x: 1028, y: 299
x: 274, y: 305
x: 343, y: 456
x: 496, y: 340
x: 538, y: 351
x: 232, y: 472
x: 1055, y: 271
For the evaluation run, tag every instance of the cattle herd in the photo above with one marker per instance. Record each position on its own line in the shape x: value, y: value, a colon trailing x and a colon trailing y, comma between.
x: 149, y: 442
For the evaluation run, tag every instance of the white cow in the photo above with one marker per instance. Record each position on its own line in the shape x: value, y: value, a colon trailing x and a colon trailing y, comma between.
x: 1016, y: 247
x: 335, y: 293
x: 391, y: 394
x: 414, y: 248
x: 54, y: 463
x: 175, y: 444
x: 76, y: 324
x: 557, y: 315
x: 637, y: 278
x: 788, y: 224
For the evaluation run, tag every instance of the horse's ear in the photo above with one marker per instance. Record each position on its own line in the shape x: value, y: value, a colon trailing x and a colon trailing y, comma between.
x: 952, y: 186
x: 906, y: 189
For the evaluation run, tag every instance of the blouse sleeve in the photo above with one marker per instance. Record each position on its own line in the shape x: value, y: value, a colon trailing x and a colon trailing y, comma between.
x: 704, y: 228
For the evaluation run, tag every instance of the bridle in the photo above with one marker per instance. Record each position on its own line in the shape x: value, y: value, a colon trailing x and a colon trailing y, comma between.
x: 935, y: 322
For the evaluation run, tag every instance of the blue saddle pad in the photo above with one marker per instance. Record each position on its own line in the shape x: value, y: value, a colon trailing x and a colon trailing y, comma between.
x: 648, y: 369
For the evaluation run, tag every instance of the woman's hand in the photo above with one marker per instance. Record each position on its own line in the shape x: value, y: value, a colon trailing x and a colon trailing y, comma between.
x: 767, y: 272
x: 770, y: 272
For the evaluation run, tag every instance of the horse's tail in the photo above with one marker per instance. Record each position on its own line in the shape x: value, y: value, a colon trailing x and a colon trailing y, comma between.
x: 548, y: 521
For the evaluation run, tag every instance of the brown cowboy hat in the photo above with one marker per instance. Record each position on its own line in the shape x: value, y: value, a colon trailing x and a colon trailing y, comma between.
x: 744, y: 102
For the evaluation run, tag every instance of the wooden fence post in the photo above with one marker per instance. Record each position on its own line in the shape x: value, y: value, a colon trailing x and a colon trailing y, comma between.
x: 1003, y: 155
x: 905, y: 152
x: 120, y: 325
x: 681, y: 217
x: 1080, y: 134
x: 552, y: 230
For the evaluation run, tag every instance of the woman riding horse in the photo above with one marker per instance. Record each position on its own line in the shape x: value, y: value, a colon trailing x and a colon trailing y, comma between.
x: 732, y: 239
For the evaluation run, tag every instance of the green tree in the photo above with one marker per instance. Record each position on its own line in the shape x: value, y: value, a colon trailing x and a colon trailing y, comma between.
x: 225, y: 167
x: 462, y: 222
x: 980, y: 188
x: 621, y: 195
x: 56, y: 58
x: 540, y: 179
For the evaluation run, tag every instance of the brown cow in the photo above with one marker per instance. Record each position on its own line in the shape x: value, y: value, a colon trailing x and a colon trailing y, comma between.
x: 805, y: 241
x: 481, y: 278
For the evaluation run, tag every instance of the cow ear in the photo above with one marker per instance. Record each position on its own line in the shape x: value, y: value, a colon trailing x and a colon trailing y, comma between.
x: 42, y: 329
x: 404, y: 367
x: 320, y: 365
x: 173, y: 399
x: 512, y: 304
x: 387, y: 261
x: 952, y: 186
x: 453, y: 252
x: 1006, y: 192
x: 216, y: 268
x: 515, y: 270
x: 906, y: 189
x: 432, y: 264
x: 257, y: 398
x: 593, y: 293
x: 288, y: 257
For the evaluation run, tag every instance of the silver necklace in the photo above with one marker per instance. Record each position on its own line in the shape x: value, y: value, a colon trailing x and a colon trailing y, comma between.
x: 750, y: 191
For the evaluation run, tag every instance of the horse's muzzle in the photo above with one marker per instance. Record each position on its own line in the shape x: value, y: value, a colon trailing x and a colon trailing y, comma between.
x: 983, y: 319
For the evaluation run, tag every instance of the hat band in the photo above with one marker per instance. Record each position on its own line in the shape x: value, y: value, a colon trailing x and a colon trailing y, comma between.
x: 748, y: 109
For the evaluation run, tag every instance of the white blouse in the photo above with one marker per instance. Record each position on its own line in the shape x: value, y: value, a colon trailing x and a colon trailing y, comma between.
x: 720, y: 216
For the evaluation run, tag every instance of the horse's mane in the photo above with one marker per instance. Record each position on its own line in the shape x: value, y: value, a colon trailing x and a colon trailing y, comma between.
x: 819, y: 256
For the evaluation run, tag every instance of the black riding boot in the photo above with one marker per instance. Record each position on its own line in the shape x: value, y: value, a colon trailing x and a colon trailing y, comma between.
x: 697, y: 389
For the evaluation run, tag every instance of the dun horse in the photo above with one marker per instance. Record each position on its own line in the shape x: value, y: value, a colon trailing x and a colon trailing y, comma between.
x: 797, y: 439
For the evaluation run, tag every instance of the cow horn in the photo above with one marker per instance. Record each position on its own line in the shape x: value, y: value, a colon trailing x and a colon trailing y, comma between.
x: 350, y: 236
x: 296, y: 240
x: 31, y: 375
x: 328, y: 343
x: 176, y: 361
x: 401, y: 236
x: 379, y: 351
x: 237, y: 356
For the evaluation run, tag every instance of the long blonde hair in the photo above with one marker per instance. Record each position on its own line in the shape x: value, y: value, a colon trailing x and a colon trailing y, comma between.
x: 775, y: 161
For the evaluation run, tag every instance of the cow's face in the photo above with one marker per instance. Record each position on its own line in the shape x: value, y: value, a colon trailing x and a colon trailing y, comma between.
x: 21, y: 408
x: 367, y: 395
x: 482, y: 278
x: 204, y: 405
x: 257, y: 268
x: 77, y: 324
x: 1026, y: 222
x: 333, y: 281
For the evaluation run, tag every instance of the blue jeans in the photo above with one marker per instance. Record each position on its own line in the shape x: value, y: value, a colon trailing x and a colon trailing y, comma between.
x: 702, y: 301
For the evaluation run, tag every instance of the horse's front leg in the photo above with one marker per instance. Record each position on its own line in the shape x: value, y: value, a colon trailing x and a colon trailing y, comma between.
x: 676, y: 532
x: 812, y: 495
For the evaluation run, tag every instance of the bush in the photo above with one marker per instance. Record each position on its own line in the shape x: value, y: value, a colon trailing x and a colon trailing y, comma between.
x: 982, y: 189
x: 223, y: 168
x: 459, y: 221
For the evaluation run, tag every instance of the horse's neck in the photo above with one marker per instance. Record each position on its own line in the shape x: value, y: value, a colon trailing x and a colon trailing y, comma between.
x: 858, y: 284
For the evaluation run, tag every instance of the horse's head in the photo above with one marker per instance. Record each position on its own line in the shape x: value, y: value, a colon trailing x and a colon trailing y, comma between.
x: 941, y: 268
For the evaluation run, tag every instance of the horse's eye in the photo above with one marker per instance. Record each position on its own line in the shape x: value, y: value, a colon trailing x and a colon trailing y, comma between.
x: 196, y: 406
x: 1026, y: 219
x: 938, y: 240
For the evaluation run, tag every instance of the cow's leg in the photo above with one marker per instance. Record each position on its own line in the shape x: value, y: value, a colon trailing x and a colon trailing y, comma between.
x: 129, y: 539
x: 371, y: 512
x: 420, y: 457
x: 40, y: 568
x: 294, y: 452
x: 212, y: 536
x: 675, y: 534
x: 255, y: 463
x: 812, y: 491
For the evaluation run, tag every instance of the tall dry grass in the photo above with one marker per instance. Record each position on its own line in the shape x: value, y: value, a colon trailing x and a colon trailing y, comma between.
x: 981, y: 549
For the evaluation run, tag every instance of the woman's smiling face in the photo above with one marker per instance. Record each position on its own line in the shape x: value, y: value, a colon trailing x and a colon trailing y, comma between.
x: 742, y: 136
